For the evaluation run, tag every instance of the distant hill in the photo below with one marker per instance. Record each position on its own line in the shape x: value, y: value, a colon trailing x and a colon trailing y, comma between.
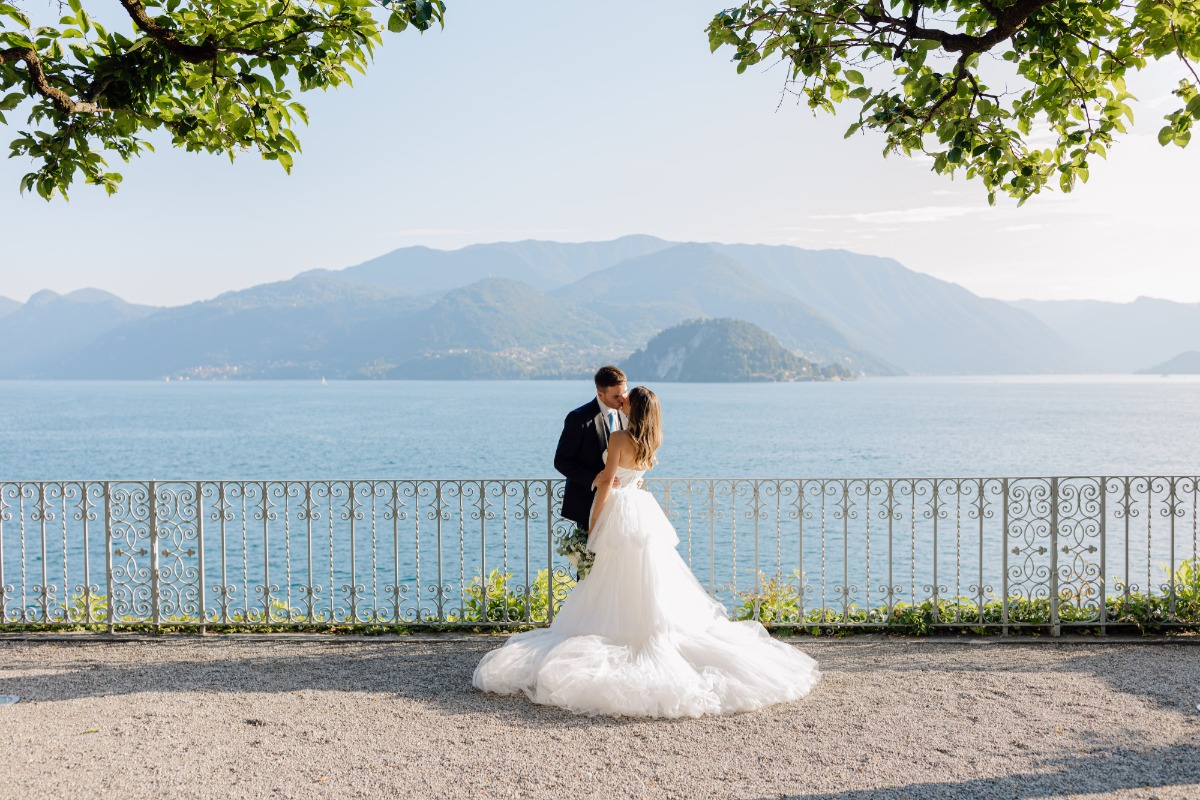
x: 1122, y: 337
x: 1183, y: 364
x: 717, y: 351
x: 8, y: 306
x: 544, y: 265
x: 644, y: 295
x: 37, y: 335
x: 288, y: 329
x: 317, y: 326
x: 495, y: 314
x: 494, y: 328
x: 917, y: 322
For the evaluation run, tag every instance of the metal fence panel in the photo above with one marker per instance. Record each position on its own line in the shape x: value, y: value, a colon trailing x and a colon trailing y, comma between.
x: 826, y: 552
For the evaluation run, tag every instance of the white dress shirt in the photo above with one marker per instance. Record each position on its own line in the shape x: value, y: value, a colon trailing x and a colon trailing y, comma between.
x: 623, y: 421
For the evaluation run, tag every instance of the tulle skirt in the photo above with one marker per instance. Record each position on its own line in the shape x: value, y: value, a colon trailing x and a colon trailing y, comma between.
x: 640, y: 637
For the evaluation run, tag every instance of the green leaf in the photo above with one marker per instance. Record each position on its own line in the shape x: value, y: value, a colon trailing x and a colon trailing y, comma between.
x: 1193, y: 107
x: 854, y: 76
x: 126, y: 123
x: 16, y: 40
x: 397, y: 22
x: 11, y: 101
x: 15, y: 15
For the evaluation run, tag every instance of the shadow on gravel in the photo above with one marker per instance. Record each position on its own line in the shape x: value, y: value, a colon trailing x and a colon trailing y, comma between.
x: 1097, y: 773
x: 1174, y: 684
x: 437, y: 676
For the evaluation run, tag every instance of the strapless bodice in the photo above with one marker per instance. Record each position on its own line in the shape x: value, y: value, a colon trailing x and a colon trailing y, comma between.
x: 628, y: 477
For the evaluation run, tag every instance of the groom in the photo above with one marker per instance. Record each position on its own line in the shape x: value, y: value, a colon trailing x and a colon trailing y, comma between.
x: 584, y: 441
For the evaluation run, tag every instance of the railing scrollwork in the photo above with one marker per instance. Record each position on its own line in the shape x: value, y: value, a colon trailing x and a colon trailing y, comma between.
x: 990, y: 553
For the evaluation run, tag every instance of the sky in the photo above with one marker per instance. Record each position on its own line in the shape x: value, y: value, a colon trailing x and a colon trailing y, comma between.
x: 573, y: 121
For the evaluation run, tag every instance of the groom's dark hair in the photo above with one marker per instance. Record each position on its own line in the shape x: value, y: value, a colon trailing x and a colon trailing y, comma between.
x: 609, y: 376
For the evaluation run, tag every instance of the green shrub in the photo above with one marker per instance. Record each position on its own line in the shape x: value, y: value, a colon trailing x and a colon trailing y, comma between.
x: 501, y: 603
x: 775, y: 601
x: 778, y: 603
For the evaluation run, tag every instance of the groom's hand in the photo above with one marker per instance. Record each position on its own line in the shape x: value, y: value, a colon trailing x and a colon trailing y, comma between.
x: 596, y: 482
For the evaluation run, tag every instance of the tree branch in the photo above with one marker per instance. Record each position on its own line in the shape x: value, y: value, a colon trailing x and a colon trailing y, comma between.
x: 960, y: 72
x: 1009, y: 21
x: 41, y: 84
x: 191, y: 53
x: 1179, y: 51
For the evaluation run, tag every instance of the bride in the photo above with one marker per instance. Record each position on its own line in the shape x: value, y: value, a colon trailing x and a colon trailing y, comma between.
x: 639, y: 636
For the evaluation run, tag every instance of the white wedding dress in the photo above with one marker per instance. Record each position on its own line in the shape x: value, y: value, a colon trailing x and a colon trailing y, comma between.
x: 640, y: 637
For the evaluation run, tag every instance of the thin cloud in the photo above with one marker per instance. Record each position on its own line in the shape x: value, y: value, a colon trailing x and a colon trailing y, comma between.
x: 478, y: 232
x: 907, y: 216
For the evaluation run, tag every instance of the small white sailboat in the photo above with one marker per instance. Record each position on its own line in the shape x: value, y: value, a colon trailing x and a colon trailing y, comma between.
x: 324, y: 382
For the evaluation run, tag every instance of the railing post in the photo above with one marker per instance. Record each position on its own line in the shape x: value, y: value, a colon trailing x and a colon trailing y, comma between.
x: 3, y: 594
x: 937, y: 615
x: 200, y: 556
x: 108, y: 566
x: 42, y: 512
x: 266, y: 521
x: 1103, y: 556
x: 845, y: 551
x: 224, y: 555
x: 1126, y: 505
x: 754, y: 507
x: 1172, y: 507
x: 483, y: 574
x: 352, y: 513
x: 437, y: 508
x: 712, y: 538
x: 549, y: 552
x: 1055, y: 627
x: 87, y: 557
x: 153, y: 526
x: 800, y: 550
x: 1004, y: 560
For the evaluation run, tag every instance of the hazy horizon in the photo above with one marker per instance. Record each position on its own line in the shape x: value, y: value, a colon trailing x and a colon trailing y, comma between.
x: 66, y: 291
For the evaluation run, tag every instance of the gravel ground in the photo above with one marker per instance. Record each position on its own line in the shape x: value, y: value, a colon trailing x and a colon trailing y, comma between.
x: 295, y: 716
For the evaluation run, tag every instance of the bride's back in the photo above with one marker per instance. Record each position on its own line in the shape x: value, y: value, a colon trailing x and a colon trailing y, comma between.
x: 627, y: 452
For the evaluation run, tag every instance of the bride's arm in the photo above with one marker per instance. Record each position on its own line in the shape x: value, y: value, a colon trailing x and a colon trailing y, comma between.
x: 618, y: 442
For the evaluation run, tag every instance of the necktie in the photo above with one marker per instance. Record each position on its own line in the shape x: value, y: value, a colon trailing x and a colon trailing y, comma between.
x: 612, y: 420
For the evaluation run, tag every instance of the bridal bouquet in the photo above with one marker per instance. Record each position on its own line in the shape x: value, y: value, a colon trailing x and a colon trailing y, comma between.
x: 573, y: 547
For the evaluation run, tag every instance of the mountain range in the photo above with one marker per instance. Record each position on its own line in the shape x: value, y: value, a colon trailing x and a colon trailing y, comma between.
x: 547, y: 309
x: 50, y: 327
x: 1122, y: 337
x: 1187, y: 363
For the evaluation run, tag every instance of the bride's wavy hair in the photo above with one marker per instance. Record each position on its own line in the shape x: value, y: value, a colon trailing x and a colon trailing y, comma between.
x: 645, y: 426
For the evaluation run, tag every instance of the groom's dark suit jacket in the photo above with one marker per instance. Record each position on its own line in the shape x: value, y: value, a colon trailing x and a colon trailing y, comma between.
x: 580, y: 457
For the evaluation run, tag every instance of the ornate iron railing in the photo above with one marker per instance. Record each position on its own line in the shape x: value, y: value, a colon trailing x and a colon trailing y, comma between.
x: 939, y: 552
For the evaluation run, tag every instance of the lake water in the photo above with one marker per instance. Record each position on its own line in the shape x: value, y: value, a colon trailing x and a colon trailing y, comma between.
x: 1075, y: 425
x: 949, y: 538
